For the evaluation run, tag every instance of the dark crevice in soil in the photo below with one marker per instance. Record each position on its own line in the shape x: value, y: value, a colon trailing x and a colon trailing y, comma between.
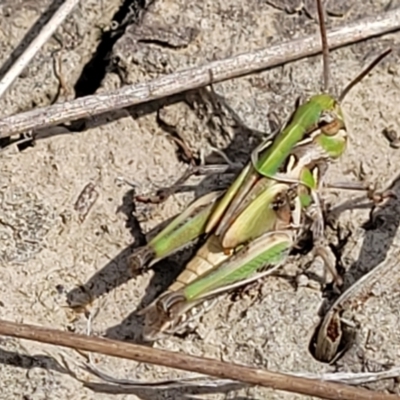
x: 131, y: 11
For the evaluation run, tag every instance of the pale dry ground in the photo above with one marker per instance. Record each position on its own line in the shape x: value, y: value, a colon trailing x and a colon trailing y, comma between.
x: 46, y: 252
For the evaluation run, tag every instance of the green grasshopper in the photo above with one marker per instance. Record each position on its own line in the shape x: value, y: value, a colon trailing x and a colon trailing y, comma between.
x: 251, y: 228
x: 175, y: 309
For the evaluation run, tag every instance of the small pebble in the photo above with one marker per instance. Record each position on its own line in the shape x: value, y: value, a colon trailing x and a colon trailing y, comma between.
x: 302, y: 280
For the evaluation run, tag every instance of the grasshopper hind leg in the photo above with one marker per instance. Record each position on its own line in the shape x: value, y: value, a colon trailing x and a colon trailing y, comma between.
x: 159, y: 316
x: 140, y: 258
x: 171, y: 314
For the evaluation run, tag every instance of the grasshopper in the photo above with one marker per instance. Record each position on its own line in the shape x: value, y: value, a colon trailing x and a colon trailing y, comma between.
x: 212, y: 267
x: 251, y: 228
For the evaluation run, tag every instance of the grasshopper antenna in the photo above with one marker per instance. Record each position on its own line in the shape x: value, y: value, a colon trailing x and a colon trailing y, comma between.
x: 362, y: 74
x: 324, y: 42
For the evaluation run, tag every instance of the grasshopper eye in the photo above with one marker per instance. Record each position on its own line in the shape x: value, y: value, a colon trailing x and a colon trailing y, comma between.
x: 329, y: 123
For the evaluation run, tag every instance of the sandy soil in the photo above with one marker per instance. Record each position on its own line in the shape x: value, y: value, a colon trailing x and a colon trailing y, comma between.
x: 49, y: 257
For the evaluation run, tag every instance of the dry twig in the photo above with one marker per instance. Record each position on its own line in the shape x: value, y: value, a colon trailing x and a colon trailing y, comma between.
x: 45, y: 34
x: 197, y: 77
x: 220, y: 369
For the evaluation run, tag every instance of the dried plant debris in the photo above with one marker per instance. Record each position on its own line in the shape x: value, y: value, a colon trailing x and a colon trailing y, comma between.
x: 334, y: 8
x: 86, y: 200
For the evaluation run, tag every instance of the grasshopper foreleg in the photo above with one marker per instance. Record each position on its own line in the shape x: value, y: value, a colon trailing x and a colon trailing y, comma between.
x: 325, y: 252
x: 321, y: 248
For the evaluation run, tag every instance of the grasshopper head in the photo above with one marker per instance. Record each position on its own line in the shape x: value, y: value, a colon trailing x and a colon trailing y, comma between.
x: 331, y: 122
x: 332, y: 137
x: 328, y: 105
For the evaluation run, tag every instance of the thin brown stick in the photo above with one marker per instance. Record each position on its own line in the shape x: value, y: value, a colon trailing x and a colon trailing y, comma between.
x: 324, y: 44
x: 207, y: 366
x: 57, y: 19
x: 197, y: 77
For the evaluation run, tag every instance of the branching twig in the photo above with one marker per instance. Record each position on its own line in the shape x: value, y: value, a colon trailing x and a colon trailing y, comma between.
x: 197, y: 77
x: 44, y: 35
x: 224, y: 370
